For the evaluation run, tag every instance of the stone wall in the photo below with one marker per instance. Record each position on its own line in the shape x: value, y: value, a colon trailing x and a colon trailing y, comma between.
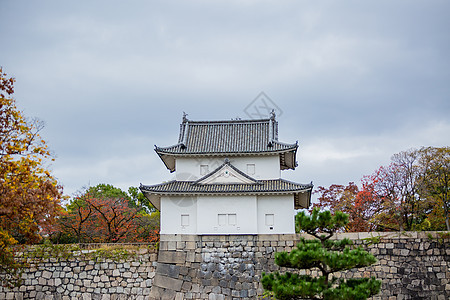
x: 411, y: 266
x: 126, y: 274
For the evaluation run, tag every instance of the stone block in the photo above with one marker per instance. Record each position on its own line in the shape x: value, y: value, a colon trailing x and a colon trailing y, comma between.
x: 186, y: 286
x: 163, y: 246
x: 191, y: 245
x: 168, y: 295
x: 173, y: 257
x: 287, y: 237
x: 190, y: 256
x: 404, y: 252
x: 57, y: 282
x: 389, y: 245
x: 178, y: 237
x: 168, y: 270
x: 46, y: 274
x: 268, y: 237
x: 179, y: 296
x: 156, y: 293
x: 89, y: 267
x: 86, y: 296
x: 9, y: 296
x: 181, y: 245
x: 167, y: 282
x: 42, y: 281
x: 195, y: 288
x: 184, y: 271
x: 171, y: 245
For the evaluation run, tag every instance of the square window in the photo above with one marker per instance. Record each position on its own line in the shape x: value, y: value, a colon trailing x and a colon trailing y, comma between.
x: 232, y: 220
x: 184, y: 220
x: 222, y: 219
x: 250, y: 169
x: 270, y: 218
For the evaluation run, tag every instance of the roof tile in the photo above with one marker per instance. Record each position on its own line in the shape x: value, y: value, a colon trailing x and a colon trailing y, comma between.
x: 227, y: 137
x: 262, y: 186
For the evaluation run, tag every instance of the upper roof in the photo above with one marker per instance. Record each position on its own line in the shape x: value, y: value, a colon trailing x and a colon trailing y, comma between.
x: 231, y: 137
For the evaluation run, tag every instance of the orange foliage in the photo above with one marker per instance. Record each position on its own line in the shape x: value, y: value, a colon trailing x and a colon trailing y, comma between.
x: 29, y: 195
x: 411, y: 193
x: 95, y: 218
x: 358, y: 204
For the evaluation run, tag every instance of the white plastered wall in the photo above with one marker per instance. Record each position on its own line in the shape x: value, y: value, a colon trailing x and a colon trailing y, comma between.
x: 237, y: 215
x: 178, y: 215
x: 266, y: 167
x: 276, y: 214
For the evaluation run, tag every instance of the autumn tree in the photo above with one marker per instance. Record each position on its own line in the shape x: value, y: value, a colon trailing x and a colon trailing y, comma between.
x: 414, y: 190
x: 138, y: 198
x: 398, y: 186
x: 324, y: 255
x: 359, y: 204
x: 435, y: 185
x: 104, y: 213
x: 29, y: 194
x: 411, y: 193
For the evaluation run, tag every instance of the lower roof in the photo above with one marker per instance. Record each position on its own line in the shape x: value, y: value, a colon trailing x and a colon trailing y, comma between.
x: 301, y: 192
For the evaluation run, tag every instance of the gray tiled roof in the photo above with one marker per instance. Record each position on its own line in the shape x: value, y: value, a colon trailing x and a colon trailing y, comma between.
x: 301, y: 192
x: 232, y: 137
x: 175, y: 187
x: 225, y: 137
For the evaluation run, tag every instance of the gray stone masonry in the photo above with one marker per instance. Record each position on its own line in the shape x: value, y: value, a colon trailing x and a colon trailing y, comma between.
x: 411, y: 265
x: 81, y: 278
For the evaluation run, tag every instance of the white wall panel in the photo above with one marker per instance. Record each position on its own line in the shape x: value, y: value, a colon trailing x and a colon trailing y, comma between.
x: 227, y: 215
x: 178, y: 215
x: 265, y: 167
x: 277, y: 209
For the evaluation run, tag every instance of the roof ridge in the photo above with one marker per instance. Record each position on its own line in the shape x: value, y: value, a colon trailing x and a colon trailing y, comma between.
x: 206, y: 122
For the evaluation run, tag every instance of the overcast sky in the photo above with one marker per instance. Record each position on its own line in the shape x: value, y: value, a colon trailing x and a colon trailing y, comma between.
x: 353, y: 81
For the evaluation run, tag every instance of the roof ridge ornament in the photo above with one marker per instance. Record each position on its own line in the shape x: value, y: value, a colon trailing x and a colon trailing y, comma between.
x: 185, y: 119
x: 272, y: 114
x: 271, y: 128
x: 185, y: 131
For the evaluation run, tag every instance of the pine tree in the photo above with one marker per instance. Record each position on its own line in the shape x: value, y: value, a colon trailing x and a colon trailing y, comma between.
x: 327, y: 257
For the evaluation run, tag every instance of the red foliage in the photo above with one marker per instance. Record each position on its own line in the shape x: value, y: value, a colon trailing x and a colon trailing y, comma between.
x: 360, y: 205
x: 107, y: 219
x: 411, y: 193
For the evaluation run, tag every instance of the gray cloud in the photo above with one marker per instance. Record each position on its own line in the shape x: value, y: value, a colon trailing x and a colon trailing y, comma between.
x: 356, y: 81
